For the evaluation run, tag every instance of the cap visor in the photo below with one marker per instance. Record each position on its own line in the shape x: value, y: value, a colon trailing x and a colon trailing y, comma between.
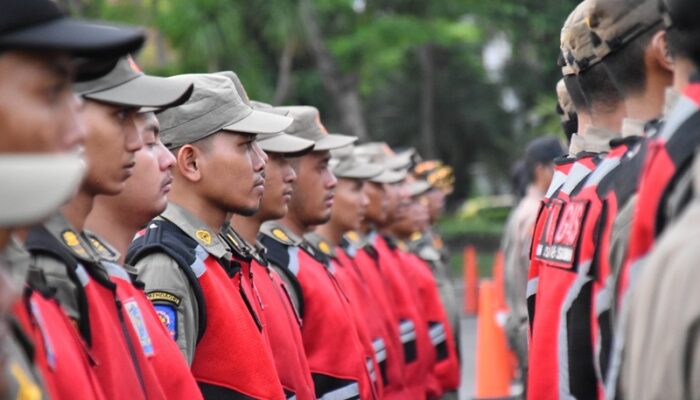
x: 77, y: 37
x: 260, y: 122
x: 366, y: 171
x: 334, y: 141
x: 146, y: 91
x: 400, y: 161
x: 389, y: 176
x: 34, y: 186
x: 417, y: 188
x: 285, y: 144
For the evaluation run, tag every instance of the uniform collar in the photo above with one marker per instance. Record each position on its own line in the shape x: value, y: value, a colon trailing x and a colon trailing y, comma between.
x: 597, y: 140
x: 321, y: 244
x: 672, y: 98
x: 632, y: 127
x: 59, y: 227
x: 356, y: 239
x: 281, y: 233
x: 576, y: 145
x: 102, y: 248
x: 197, y: 230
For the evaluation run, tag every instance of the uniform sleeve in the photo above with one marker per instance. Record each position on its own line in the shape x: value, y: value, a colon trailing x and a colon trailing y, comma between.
x: 57, y: 278
x: 173, y: 299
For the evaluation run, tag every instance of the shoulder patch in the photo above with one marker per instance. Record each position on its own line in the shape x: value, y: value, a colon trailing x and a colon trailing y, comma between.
x: 281, y: 236
x: 71, y: 240
x: 161, y: 295
x: 168, y: 317
x: 204, y: 236
x: 137, y: 321
x: 416, y: 236
x: 324, y: 247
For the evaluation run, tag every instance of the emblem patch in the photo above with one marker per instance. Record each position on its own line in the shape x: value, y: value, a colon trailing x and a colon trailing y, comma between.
x: 416, y: 236
x: 134, y: 312
x: 204, y: 236
x: 161, y: 295
x: 71, y: 240
x: 324, y: 247
x: 168, y: 317
x: 279, y: 234
x: 352, y: 236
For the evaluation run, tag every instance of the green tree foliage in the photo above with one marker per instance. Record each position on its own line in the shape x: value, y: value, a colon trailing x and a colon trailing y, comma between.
x: 377, y: 46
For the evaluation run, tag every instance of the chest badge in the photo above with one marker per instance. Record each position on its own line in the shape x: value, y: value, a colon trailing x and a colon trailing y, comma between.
x: 204, y: 236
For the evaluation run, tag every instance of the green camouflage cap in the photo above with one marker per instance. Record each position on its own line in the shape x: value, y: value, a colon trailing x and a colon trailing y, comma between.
x: 345, y: 164
x: 380, y: 153
x: 126, y: 85
x: 277, y: 142
x: 307, y: 125
x: 215, y: 105
x: 597, y: 28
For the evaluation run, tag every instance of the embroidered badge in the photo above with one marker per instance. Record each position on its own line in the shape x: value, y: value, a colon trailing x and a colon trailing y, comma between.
x: 352, y: 236
x: 71, y: 240
x: 204, y: 236
x: 136, y: 318
x: 416, y: 236
x: 279, y: 234
x: 324, y: 247
x: 168, y: 317
x: 161, y: 295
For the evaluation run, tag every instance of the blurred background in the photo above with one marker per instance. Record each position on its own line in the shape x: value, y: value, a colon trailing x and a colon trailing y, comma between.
x: 466, y: 81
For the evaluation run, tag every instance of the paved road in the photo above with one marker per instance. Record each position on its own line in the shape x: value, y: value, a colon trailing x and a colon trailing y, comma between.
x: 467, y: 345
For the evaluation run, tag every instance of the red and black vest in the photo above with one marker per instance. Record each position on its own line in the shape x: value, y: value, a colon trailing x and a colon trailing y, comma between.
x: 282, y: 325
x: 231, y: 359
x: 446, y: 368
x: 364, y: 260
x: 419, y: 352
x: 333, y: 347
x: 561, y: 322
x: 120, y: 362
x: 59, y: 353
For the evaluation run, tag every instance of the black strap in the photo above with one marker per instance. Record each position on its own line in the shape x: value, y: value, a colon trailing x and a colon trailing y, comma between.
x: 165, y: 237
x: 277, y: 254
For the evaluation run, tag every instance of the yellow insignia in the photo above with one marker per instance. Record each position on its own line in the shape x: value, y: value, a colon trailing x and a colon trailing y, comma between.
x: 279, y: 234
x: 71, y: 240
x: 204, y: 236
x: 26, y: 388
x: 416, y: 236
x: 352, y: 236
x: 324, y: 247
x: 233, y: 240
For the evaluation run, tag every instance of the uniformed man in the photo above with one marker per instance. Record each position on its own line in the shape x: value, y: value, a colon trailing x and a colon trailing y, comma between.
x: 347, y: 214
x: 539, y: 163
x: 387, y: 203
x: 660, y: 328
x: 187, y: 269
x: 113, y: 223
x: 39, y: 114
x: 337, y: 357
x: 111, y: 323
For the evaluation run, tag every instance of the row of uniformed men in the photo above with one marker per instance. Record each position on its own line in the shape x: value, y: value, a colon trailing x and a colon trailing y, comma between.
x: 207, y: 246
x: 610, y: 293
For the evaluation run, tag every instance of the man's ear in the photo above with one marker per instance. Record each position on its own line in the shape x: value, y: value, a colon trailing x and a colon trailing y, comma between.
x: 658, y: 48
x: 189, y: 159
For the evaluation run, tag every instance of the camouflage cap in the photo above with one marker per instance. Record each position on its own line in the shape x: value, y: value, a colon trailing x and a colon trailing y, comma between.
x: 597, y: 28
x: 307, y: 125
x: 346, y: 164
x: 564, y: 101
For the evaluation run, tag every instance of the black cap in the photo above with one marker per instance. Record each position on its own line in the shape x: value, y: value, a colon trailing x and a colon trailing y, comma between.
x: 542, y: 150
x: 681, y: 14
x: 41, y: 25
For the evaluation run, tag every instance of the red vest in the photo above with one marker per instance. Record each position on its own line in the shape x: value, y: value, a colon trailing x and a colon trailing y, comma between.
x: 231, y: 359
x: 560, y: 316
x: 60, y: 354
x: 162, y: 352
x: 367, y: 268
x: 120, y: 366
x: 419, y: 352
x: 333, y: 348
x: 446, y: 368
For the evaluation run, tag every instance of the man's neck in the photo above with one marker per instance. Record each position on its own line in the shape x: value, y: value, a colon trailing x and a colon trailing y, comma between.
x: 212, y: 216
x: 646, y: 106
x: 78, y: 209
x: 247, y: 227
x: 294, y: 224
x: 331, y: 232
x: 114, y: 227
x: 609, y: 120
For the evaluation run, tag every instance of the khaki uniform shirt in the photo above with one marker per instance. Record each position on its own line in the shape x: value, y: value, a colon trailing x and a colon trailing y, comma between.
x: 662, y: 356
x: 164, y: 280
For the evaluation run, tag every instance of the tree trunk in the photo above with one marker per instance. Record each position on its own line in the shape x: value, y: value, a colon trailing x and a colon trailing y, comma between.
x: 341, y: 87
x: 427, y: 101
x: 284, y: 74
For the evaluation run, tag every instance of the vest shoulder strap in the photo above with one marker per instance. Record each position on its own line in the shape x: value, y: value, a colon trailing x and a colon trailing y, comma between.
x: 165, y: 237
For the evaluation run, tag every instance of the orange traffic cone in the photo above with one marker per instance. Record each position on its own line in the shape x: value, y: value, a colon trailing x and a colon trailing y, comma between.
x: 493, y: 360
x: 499, y: 280
x: 470, y: 274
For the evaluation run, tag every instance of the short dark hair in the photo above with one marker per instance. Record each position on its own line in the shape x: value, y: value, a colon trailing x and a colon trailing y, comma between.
x: 593, y: 90
x: 683, y: 37
x: 626, y: 65
x: 684, y: 44
x: 569, y: 125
